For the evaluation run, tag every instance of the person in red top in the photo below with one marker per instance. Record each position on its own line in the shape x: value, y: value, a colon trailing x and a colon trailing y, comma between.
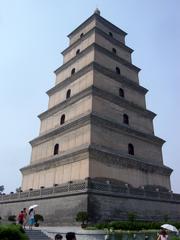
x: 21, y: 218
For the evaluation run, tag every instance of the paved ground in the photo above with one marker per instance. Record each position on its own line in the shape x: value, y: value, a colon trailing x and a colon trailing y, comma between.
x: 80, y: 233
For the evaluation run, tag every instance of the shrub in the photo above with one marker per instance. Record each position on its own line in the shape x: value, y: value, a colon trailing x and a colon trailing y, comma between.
x: 82, y: 217
x: 175, y: 238
x: 131, y: 216
x: 12, y: 232
x: 166, y: 217
x: 37, y: 218
x: 133, y: 225
x: 12, y: 218
x: 129, y: 225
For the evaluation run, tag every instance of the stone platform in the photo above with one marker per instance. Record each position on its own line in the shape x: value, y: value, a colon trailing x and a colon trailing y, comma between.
x: 102, y: 200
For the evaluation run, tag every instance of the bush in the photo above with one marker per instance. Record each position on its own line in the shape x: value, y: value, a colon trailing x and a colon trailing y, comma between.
x: 37, y: 218
x: 175, y: 238
x: 12, y: 218
x: 129, y: 225
x: 131, y: 216
x: 133, y: 225
x: 12, y: 232
x: 82, y: 217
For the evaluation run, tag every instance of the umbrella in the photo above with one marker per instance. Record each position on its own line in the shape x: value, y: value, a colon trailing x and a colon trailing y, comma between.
x: 33, y: 206
x: 169, y: 227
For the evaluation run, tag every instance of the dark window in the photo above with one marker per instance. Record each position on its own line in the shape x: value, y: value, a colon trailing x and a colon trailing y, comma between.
x: 121, y: 92
x: 118, y: 70
x: 78, y: 51
x: 62, y: 119
x: 56, y: 149
x: 73, y: 71
x: 82, y: 34
x: 125, y: 119
x: 114, y: 50
x: 68, y: 93
x: 110, y: 34
x: 130, y: 149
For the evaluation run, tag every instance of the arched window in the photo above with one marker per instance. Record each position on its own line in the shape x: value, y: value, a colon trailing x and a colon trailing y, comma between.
x: 62, y: 119
x: 114, y: 50
x: 130, y: 149
x: 110, y: 34
x: 118, y: 70
x: 78, y: 51
x: 73, y: 71
x: 68, y: 93
x: 56, y: 149
x: 82, y: 34
x: 121, y: 92
x: 125, y: 119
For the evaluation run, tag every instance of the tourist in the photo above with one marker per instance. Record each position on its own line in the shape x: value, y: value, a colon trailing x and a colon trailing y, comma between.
x: 21, y: 218
x: 31, y: 218
x: 25, y: 218
x: 58, y: 237
x: 70, y: 236
x: 162, y: 235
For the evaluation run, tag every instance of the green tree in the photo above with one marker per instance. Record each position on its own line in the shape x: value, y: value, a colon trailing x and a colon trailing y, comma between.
x: 1, y: 188
x: 37, y: 218
x: 83, y: 218
x: 12, y: 218
x: 131, y: 216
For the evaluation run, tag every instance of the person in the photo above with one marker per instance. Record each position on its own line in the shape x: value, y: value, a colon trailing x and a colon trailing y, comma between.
x: 58, y: 237
x: 70, y: 236
x: 21, y: 218
x: 25, y: 218
x: 162, y: 235
x: 31, y: 218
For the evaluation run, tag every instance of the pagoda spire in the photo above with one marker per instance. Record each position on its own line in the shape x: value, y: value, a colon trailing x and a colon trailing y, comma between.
x: 97, y: 11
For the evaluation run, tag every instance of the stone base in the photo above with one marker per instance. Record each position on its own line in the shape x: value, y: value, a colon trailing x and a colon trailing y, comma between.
x: 59, y: 205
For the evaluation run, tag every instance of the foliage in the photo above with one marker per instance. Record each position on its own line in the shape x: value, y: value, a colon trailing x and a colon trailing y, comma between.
x: 135, y: 225
x: 166, y: 217
x: 12, y: 232
x: 131, y: 216
x: 18, y: 189
x: 82, y: 217
x: 12, y: 218
x: 175, y: 238
x: 38, y: 217
x: 1, y: 188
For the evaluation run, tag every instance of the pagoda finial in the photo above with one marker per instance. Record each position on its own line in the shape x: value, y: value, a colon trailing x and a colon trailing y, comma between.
x: 97, y: 11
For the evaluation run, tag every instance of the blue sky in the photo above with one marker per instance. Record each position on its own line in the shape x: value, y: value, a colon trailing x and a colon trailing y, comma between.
x: 32, y: 36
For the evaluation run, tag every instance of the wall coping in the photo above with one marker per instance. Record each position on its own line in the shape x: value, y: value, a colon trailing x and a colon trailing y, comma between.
x: 89, y: 186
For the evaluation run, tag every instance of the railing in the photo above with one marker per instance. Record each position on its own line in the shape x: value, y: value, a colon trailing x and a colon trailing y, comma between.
x: 92, y: 185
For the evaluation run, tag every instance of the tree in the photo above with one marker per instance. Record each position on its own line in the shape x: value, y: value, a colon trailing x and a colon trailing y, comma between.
x: 82, y: 217
x: 132, y: 216
x: 12, y: 218
x: 37, y: 218
x: 18, y: 189
x: 1, y: 188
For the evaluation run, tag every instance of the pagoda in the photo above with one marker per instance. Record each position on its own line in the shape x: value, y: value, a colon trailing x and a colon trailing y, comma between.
x: 98, y: 132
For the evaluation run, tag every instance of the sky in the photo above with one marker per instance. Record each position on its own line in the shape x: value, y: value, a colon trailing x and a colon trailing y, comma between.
x: 33, y: 34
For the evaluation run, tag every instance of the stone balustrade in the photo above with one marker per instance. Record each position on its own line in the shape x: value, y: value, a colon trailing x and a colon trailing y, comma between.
x: 90, y: 185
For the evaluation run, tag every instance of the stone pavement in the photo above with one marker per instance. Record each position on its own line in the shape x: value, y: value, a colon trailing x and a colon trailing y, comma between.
x: 80, y: 233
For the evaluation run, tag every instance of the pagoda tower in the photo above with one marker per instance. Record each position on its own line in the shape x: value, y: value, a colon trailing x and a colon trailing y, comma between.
x: 97, y: 125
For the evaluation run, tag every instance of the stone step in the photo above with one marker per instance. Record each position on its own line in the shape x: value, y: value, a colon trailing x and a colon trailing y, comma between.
x: 36, y: 235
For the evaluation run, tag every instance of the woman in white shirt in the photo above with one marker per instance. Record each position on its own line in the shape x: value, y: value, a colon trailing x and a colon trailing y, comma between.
x: 163, y: 235
x: 31, y: 218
